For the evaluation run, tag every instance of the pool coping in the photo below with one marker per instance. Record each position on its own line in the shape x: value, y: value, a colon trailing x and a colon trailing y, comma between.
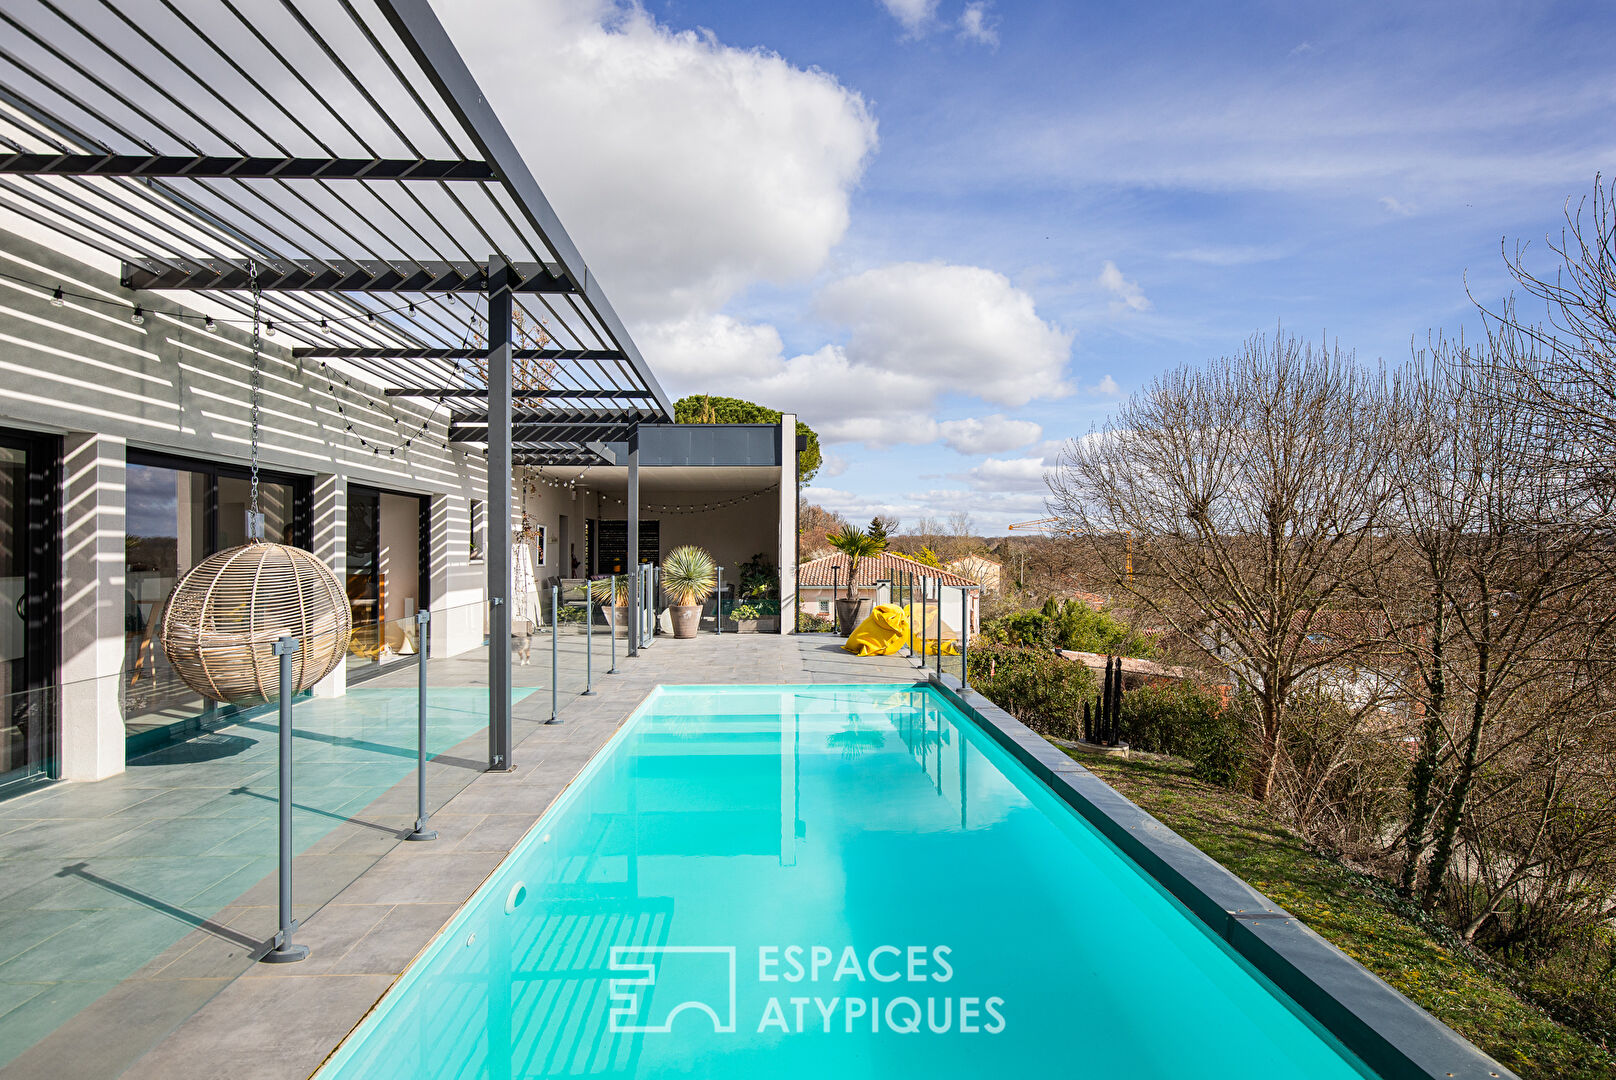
x: 1389, y: 1033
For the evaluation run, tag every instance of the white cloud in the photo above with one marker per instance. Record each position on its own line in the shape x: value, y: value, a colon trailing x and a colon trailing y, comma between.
x: 988, y: 434
x: 831, y: 466
x: 686, y: 170
x: 914, y: 15
x: 1231, y: 255
x: 991, y: 510
x: 975, y: 24
x: 1008, y: 474
x: 1106, y: 387
x: 961, y: 328
x: 1396, y: 206
x: 1129, y: 296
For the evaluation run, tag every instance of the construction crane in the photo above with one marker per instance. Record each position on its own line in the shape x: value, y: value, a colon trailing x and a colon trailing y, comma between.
x: 1039, y: 524
x: 1043, y: 525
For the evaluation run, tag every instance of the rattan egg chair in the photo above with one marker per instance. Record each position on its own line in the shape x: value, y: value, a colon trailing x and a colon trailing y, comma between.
x: 224, y: 616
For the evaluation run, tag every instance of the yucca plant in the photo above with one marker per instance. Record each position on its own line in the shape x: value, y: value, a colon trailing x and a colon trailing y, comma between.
x: 689, y: 575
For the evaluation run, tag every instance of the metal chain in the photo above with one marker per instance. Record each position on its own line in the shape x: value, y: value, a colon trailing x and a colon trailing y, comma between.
x: 252, y: 498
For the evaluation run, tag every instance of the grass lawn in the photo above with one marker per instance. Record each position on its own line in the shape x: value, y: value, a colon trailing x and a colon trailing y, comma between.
x: 1343, y: 907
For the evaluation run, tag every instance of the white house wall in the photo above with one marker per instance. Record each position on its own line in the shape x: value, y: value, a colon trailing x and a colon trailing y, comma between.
x: 86, y: 372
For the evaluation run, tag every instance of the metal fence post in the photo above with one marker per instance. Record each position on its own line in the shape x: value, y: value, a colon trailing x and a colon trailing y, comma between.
x: 965, y: 634
x: 555, y: 652
x: 718, y: 602
x: 589, y: 637
x: 422, y: 618
x: 909, y: 602
x: 284, y: 951
x: 939, y: 663
x: 611, y: 624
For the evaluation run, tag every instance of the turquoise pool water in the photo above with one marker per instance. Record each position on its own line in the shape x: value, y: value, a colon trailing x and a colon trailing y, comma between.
x: 824, y: 882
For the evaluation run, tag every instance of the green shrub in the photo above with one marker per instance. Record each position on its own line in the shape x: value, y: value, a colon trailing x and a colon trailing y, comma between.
x: 1186, y: 721
x: 1035, y: 686
x: 1078, y: 627
x: 814, y: 624
x: 1026, y: 629
x: 1069, y: 625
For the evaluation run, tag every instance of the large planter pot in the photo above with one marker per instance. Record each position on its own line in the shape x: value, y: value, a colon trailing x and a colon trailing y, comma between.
x: 619, y: 619
x: 849, y: 613
x: 686, y: 619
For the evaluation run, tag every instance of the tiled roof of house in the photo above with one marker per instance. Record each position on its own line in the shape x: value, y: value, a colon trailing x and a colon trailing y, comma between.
x: 832, y: 570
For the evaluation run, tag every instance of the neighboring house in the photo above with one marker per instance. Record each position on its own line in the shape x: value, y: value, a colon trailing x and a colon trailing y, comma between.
x: 819, y: 581
x: 980, y: 569
x: 1136, y: 672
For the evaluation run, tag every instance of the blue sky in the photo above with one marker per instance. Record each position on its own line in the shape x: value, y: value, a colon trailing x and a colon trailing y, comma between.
x: 951, y: 240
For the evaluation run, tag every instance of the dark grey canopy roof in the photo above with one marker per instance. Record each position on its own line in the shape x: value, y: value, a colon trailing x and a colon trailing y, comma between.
x: 343, y: 149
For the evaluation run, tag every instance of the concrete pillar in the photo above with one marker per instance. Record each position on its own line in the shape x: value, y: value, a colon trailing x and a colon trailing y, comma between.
x: 788, y: 523
x: 457, y: 585
x: 328, y: 530
x: 93, y: 605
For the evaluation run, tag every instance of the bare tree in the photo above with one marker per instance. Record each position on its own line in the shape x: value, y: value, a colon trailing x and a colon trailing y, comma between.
x: 1495, y: 594
x: 1573, y: 374
x: 1251, y: 489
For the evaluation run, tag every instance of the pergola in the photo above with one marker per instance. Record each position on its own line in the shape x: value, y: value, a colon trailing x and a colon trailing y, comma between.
x: 338, y: 156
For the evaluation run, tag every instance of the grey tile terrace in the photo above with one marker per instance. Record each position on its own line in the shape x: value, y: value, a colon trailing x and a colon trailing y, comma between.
x: 364, y: 936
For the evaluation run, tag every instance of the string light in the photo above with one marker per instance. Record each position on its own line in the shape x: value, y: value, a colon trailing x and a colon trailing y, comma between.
x: 332, y: 377
x: 210, y: 326
x: 59, y: 296
x: 139, y: 317
x: 325, y: 327
x: 269, y: 331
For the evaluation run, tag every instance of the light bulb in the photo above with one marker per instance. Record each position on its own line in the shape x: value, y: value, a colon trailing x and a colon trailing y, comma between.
x: 209, y: 325
x: 269, y: 330
x: 325, y: 327
x: 57, y: 299
x: 139, y: 317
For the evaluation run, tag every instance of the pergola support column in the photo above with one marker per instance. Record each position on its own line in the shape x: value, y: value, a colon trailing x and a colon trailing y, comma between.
x: 499, y: 516
x: 633, y: 529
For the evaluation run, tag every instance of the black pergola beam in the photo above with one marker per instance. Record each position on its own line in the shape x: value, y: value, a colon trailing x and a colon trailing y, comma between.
x: 548, y: 432
x: 340, y: 353
x: 164, y: 167
x: 338, y: 276
x: 526, y: 416
x: 518, y: 395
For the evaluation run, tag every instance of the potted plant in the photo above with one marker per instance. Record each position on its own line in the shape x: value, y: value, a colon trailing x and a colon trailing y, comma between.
x: 689, y: 576
x: 759, y: 618
x: 856, y: 544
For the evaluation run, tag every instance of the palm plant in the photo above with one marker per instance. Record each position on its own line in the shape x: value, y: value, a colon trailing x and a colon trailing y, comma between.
x: 689, y: 575
x: 856, y: 544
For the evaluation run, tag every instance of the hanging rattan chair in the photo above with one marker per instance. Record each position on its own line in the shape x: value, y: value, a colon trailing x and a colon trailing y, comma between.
x: 224, y: 616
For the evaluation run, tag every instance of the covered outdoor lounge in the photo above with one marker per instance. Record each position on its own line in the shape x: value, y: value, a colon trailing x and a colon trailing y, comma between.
x: 286, y: 258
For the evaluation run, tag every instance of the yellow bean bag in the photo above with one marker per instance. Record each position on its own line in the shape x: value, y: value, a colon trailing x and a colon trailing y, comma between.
x: 922, y: 640
x: 882, y: 633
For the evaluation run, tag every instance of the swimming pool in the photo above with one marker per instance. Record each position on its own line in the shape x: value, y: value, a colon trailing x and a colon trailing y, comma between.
x: 849, y: 881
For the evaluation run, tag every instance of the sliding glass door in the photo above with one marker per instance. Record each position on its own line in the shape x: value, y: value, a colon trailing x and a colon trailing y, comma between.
x: 178, y: 513
x: 388, y: 575
x: 29, y: 564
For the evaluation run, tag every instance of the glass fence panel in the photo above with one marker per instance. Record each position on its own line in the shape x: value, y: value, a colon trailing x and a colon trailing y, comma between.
x: 160, y: 882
